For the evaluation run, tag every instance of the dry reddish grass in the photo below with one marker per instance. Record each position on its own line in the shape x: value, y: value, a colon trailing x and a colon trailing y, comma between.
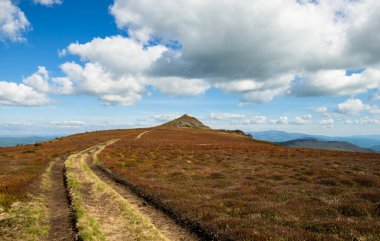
x: 21, y: 167
x: 248, y: 190
x: 238, y: 188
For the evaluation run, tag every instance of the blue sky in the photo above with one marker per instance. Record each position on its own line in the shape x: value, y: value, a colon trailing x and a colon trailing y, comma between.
x: 72, y: 66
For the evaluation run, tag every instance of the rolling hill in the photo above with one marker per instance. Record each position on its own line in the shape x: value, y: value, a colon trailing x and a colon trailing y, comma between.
x: 324, y: 145
x: 280, y: 136
x: 185, y: 121
x: 185, y: 180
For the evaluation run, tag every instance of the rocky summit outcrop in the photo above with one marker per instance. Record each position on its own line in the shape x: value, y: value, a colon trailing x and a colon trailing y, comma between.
x: 236, y: 132
x: 186, y: 121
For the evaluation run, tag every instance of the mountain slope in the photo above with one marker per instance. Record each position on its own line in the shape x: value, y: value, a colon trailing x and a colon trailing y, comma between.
x: 279, y: 136
x: 324, y: 145
x: 190, y: 122
x: 205, y: 180
x: 185, y: 121
x: 220, y: 180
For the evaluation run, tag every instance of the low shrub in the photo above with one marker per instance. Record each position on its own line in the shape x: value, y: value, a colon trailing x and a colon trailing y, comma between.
x: 217, y: 175
x: 376, y: 209
x: 327, y: 182
x: 276, y: 177
x: 365, y: 181
x: 351, y: 211
x: 330, y: 228
x: 371, y: 196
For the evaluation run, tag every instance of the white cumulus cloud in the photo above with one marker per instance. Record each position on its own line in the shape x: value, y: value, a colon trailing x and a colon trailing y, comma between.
x: 259, y: 48
x: 225, y: 116
x: 116, y: 70
x: 374, y: 110
x: 165, y: 117
x: 363, y: 121
x: 352, y: 106
x: 68, y: 124
x: 180, y: 86
x: 337, y: 82
x: 20, y: 95
x: 41, y: 82
x: 327, y: 122
x: 118, y: 54
x: 255, y: 120
x: 283, y: 120
x: 93, y: 79
x: 47, y: 2
x: 302, y: 120
x: 13, y: 22
x: 374, y: 97
x: 321, y: 109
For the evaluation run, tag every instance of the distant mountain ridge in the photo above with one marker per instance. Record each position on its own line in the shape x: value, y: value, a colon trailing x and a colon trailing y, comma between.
x: 368, y: 142
x: 324, y: 145
x: 22, y: 140
x: 376, y: 148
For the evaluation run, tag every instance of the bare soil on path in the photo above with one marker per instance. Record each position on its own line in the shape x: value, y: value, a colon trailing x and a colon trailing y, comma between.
x: 141, y: 134
x: 165, y: 224
x: 59, y: 212
x: 114, y: 212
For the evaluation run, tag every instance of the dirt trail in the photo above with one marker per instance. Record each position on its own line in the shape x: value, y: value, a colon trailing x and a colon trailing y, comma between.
x: 141, y: 134
x: 58, y: 206
x: 117, y: 212
x: 161, y: 221
x: 102, y: 214
x: 165, y: 224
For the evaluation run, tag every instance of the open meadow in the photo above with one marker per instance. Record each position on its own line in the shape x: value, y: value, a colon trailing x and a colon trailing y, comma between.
x: 213, y: 184
x: 241, y: 189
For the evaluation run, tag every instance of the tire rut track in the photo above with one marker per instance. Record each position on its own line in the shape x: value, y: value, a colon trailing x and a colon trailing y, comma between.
x: 141, y: 134
x: 101, y: 212
x: 60, y: 215
x: 165, y: 224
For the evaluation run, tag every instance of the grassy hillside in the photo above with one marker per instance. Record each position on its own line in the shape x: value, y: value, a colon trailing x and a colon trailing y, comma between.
x: 21, y: 167
x: 224, y: 184
x: 241, y: 189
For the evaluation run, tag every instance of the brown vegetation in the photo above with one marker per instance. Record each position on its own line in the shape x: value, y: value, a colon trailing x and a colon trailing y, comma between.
x: 243, y: 189
x: 228, y: 185
x: 101, y: 213
x: 185, y: 121
x: 21, y: 167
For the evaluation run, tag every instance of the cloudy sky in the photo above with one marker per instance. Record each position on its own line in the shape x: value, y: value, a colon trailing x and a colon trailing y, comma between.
x: 309, y: 66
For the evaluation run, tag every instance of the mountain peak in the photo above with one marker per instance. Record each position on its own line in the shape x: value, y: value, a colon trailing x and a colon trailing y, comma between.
x: 185, y: 121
